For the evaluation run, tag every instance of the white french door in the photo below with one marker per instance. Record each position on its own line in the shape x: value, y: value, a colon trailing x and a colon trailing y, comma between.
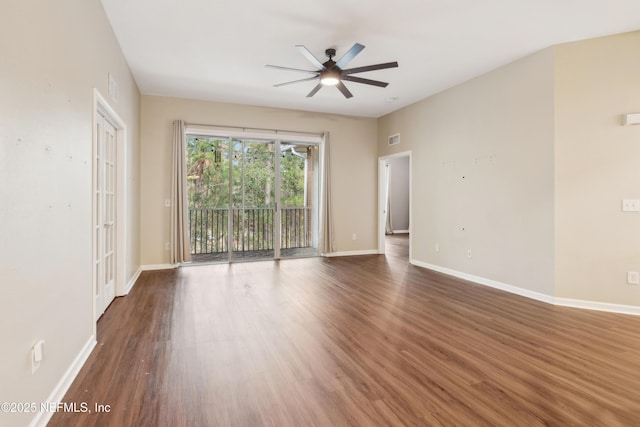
x: 105, y: 164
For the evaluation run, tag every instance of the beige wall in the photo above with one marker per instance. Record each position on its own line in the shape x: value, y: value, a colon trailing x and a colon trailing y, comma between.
x: 53, y: 56
x: 546, y: 163
x: 482, y: 165
x: 597, y: 165
x: 353, y: 164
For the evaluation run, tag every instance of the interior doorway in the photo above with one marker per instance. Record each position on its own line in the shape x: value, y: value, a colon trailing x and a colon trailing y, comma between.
x: 394, y: 199
x: 251, y: 198
x: 107, y: 205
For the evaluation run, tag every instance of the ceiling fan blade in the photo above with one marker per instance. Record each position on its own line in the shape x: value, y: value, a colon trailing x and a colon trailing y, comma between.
x: 315, y: 89
x: 370, y: 68
x: 305, y: 52
x: 342, y: 88
x: 297, y: 81
x: 351, y: 53
x: 277, y: 67
x: 365, y: 81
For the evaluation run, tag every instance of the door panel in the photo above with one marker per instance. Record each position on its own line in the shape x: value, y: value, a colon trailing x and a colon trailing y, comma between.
x: 298, y: 196
x: 109, y: 217
x: 105, y: 214
x: 208, y: 189
x: 253, y: 200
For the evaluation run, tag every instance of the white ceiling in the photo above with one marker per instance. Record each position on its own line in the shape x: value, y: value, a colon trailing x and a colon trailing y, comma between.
x: 217, y: 49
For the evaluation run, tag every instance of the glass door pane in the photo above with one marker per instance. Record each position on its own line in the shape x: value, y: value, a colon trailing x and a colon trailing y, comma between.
x: 208, y: 172
x: 253, y: 199
x: 299, y: 199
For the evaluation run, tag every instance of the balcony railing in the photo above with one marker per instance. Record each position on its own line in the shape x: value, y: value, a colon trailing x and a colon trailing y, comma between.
x: 253, y: 229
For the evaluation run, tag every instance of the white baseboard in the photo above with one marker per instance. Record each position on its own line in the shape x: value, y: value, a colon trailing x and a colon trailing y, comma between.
x: 487, y: 282
x: 564, y: 302
x: 133, y: 281
x: 599, y: 306
x: 353, y: 253
x: 42, y: 418
x: 151, y: 267
x: 400, y: 231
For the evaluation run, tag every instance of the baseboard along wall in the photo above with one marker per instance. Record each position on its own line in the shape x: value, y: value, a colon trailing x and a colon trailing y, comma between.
x: 549, y: 299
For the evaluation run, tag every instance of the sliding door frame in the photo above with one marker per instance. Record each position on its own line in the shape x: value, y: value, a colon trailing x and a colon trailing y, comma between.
x: 232, y: 135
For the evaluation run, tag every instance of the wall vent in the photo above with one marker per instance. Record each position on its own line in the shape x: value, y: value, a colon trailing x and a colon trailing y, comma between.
x: 394, y: 139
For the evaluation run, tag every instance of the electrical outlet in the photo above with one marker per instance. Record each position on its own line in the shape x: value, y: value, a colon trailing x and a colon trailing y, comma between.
x: 354, y: 236
x: 167, y: 246
x: 469, y: 253
x: 633, y: 277
x: 631, y: 205
x: 437, y: 247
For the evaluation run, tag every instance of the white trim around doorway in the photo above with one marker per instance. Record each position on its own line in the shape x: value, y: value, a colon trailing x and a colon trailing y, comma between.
x: 381, y: 199
x: 102, y: 107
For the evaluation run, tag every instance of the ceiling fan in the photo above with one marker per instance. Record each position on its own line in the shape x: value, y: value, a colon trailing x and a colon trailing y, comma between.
x: 332, y: 73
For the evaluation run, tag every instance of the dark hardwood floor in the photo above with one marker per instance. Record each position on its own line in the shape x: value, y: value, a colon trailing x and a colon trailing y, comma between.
x: 361, y: 341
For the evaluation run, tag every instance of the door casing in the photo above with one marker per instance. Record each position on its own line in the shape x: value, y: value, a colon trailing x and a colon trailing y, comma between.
x: 382, y: 192
x: 102, y: 108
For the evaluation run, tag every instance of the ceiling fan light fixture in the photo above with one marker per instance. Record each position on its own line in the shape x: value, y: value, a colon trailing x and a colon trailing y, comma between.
x: 329, y: 81
x: 330, y: 78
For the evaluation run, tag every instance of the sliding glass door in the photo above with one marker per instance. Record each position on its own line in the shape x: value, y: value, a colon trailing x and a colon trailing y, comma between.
x: 251, y: 198
x: 298, y: 199
x: 208, y: 183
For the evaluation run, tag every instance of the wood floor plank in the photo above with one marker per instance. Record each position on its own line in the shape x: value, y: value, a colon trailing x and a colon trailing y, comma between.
x: 353, y: 341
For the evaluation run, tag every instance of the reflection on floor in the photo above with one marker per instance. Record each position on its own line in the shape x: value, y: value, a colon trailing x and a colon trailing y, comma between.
x: 397, y: 246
